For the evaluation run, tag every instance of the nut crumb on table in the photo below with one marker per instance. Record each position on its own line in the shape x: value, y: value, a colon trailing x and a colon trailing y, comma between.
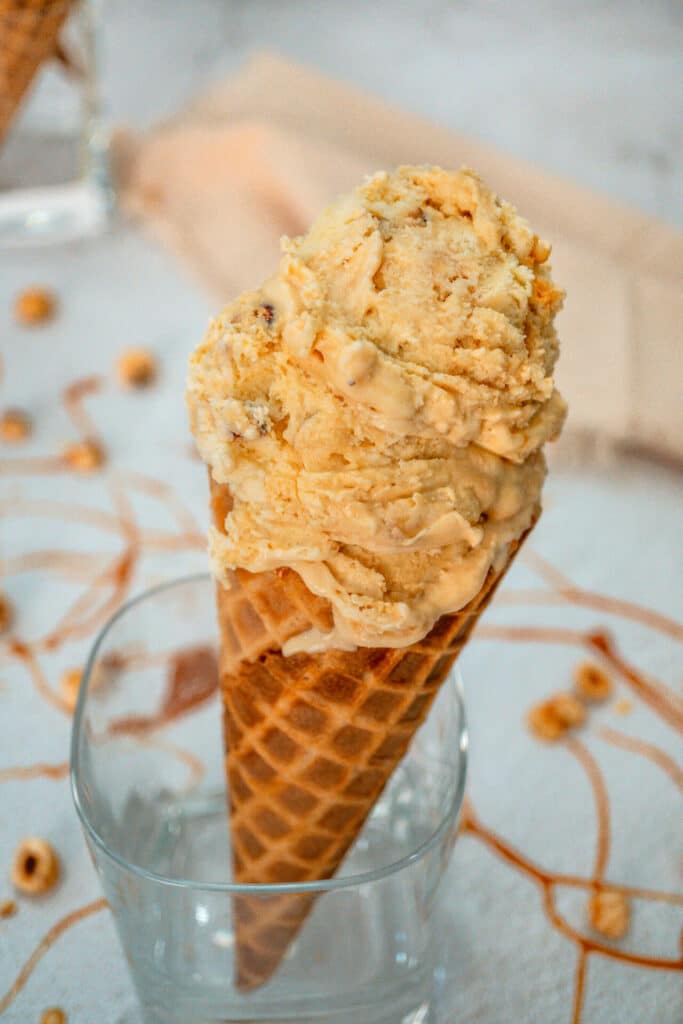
x: 35, y: 869
x: 15, y: 426
x: 609, y: 914
x: 8, y: 908
x: 53, y: 1016
x: 592, y: 682
x: 34, y: 306
x: 84, y: 456
x: 553, y: 717
x: 137, y: 368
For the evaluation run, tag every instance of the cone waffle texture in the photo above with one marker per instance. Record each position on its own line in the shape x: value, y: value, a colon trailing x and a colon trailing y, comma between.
x: 311, y: 740
x: 29, y: 30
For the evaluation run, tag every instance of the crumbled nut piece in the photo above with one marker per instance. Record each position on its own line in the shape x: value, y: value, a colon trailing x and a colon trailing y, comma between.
x: 35, y: 868
x: 53, y: 1016
x: 136, y: 367
x: 540, y: 250
x: 70, y: 684
x: 608, y: 913
x: 35, y: 306
x: 591, y: 682
x: 550, y: 719
x: 8, y: 908
x: 6, y: 613
x: 545, y: 294
x: 84, y: 456
x: 568, y: 709
x: 15, y: 426
x: 266, y: 312
x: 623, y: 706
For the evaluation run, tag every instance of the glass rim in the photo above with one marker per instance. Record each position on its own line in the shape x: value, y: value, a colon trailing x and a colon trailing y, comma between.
x: 333, y: 884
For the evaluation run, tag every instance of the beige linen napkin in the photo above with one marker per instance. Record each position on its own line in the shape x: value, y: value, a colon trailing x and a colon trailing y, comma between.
x: 258, y: 156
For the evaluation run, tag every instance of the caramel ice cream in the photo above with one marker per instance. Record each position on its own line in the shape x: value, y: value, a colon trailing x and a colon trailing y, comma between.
x: 378, y: 408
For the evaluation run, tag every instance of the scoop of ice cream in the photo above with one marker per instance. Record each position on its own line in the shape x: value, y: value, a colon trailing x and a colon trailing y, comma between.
x: 379, y: 406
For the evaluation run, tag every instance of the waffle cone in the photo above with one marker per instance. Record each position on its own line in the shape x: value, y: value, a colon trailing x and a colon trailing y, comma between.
x: 29, y: 31
x: 311, y: 740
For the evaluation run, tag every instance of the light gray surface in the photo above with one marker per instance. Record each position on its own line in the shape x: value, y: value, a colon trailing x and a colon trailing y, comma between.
x: 590, y: 92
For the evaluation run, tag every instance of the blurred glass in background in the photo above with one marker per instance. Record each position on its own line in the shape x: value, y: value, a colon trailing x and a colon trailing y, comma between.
x: 53, y: 181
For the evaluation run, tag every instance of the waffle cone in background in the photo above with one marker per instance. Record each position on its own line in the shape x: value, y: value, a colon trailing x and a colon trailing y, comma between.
x: 311, y: 739
x: 29, y: 32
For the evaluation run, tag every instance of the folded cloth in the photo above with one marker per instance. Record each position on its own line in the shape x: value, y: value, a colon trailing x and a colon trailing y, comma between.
x: 258, y: 156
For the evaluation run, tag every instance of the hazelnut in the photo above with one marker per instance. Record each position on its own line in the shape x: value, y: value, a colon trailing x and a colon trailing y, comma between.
x: 6, y: 613
x: 84, y: 456
x: 35, y: 306
x: 609, y: 914
x: 53, y: 1016
x: 70, y: 684
x: 136, y: 367
x: 15, y: 426
x: 568, y: 709
x: 8, y: 908
x: 35, y: 868
x: 591, y: 682
x: 552, y: 718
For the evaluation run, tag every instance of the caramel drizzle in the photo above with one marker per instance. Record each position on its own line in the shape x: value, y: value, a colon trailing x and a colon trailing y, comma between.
x: 166, y: 495
x: 650, y: 751
x: 24, y: 653
x: 548, y: 882
x: 579, y: 984
x: 33, y: 465
x: 35, y: 771
x: 568, y: 592
x: 73, y: 565
x: 81, y: 619
x: 192, y: 681
x: 597, y: 602
x: 153, y: 539
x: 601, y: 798
x: 658, y: 697
x: 72, y: 399
x: 82, y: 515
x: 45, y: 944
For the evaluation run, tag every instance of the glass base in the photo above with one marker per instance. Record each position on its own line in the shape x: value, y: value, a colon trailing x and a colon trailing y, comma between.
x: 359, y: 1014
x: 60, y: 213
x: 188, y: 837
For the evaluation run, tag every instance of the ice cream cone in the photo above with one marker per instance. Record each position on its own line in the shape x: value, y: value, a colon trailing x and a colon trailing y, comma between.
x: 375, y: 414
x: 311, y: 740
x: 29, y: 31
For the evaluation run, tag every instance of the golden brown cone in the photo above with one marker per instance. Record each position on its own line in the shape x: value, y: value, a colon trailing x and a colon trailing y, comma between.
x: 29, y: 31
x: 311, y: 740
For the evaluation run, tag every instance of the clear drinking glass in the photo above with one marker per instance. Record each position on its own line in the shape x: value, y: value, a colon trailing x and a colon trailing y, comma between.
x: 53, y: 155
x: 149, y: 785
